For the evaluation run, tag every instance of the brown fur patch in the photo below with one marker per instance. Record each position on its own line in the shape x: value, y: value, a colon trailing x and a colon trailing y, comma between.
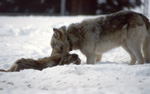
x: 42, y: 63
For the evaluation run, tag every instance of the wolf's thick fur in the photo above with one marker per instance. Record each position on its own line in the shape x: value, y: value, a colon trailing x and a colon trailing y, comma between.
x: 42, y: 63
x: 96, y: 36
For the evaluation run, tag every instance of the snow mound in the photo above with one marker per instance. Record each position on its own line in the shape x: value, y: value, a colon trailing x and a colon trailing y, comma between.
x: 79, y: 79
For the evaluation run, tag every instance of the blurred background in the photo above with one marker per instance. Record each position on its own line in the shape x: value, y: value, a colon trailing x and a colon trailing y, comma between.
x: 71, y: 7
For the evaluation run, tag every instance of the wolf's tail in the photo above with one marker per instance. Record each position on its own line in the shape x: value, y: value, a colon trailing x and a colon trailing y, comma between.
x: 2, y: 70
x: 146, y: 45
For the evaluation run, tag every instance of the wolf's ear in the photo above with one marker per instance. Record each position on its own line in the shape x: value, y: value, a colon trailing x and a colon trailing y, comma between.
x: 57, y: 33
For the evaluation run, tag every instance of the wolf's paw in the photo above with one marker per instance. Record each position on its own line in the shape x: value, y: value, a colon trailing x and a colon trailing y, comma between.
x: 131, y: 64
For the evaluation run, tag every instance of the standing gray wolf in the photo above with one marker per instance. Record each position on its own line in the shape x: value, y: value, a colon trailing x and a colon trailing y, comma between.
x: 93, y: 37
x: 42, y: 63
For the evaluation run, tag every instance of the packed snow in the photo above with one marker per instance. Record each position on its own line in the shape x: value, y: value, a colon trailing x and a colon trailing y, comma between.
x: 29, y: 37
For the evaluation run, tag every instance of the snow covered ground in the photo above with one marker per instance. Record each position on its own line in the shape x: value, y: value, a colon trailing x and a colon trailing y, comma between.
x: 29, y: 37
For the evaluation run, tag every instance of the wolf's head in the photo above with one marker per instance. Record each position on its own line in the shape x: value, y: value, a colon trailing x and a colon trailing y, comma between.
x: 59, y: 41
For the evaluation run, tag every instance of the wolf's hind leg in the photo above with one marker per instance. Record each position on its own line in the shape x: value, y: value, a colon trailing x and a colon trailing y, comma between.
x: 146, y: 48
x: 135, y: 47
x: 138, y: 55
x: 133, y: 58
x: 135, y: 39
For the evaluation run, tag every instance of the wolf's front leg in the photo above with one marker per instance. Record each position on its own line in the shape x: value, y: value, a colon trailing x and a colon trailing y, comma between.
x: 99, y: 57
x: 91, y: 59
